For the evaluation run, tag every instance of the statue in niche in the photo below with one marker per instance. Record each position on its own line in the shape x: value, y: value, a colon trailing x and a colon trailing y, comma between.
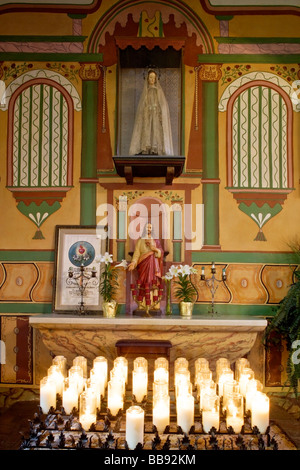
x: 152, y: 134
x: 147, y: 258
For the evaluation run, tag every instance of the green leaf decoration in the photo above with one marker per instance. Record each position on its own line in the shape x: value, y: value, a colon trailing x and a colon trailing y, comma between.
x: 260, y: 215
x: 38, y: 214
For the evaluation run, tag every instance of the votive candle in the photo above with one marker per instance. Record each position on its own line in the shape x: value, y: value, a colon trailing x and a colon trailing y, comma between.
x: 201, y: 365
x: 225, y: 376
x: 122, y: 363
x: 260, y: 410
x: 139, y: 384
x: 100, y: 367
x: 161, y: 374
x: 160, y: 387
x: 55, y: 373
x: 210, y: 412
x: 161, y: 362
x: 81, y: 362
x: 76, y: 375
x: 185, y: 412
x: 161, y: 412
x: 206, y: 386
x: 70, y: 396
x: 99, y: 379
x: 245, y: 375
x: 252, y: 387
x: 115, y: 397
x: 47, y: 394
x: 229, y: 387
x: 235, y: 412
x: 134, y: 433
x: 61, y: 362
x: 239, y: 366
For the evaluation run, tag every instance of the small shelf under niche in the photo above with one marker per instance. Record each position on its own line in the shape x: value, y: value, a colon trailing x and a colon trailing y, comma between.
x: 143, y: 166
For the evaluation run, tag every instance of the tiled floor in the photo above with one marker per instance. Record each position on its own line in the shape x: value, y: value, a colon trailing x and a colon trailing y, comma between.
x: 15, y: 421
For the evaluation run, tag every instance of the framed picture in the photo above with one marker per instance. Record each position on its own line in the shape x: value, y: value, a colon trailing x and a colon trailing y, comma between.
x: 77, y: 270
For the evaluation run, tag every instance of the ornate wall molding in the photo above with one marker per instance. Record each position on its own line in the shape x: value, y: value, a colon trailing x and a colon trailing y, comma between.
x: 250, y: 77
x: 54, y: 6
x: 259, y: 109
x: 210, y: 72
x: 118, y: 16
x: 42, y: 74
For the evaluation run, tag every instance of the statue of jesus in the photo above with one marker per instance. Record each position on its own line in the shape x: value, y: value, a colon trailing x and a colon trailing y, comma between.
x: 152, y: 133
x: 147, y: 258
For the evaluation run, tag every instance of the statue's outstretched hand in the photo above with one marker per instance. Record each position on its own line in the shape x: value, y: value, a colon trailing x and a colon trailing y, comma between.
x: 131, y: 267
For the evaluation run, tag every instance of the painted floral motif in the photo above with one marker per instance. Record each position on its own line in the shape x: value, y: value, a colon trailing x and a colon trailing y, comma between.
x: 289, y: 73
x: 230, y: 73
x: 68, y: 71
x: 130, y: 195
x: 169, y: 196
x: 14, y: 70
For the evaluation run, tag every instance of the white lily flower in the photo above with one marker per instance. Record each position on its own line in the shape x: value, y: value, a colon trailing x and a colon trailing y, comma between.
x: 98, y: 258
x: 107, y: 258
x: 123, y: 264
x: 168, y: 276
x: 185, y: 270
x: 174, y: 270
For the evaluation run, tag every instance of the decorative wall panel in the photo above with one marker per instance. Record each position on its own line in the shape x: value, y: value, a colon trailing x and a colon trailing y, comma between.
x: 26, y: 282
x: 246, y: 284
x: 16, y: 335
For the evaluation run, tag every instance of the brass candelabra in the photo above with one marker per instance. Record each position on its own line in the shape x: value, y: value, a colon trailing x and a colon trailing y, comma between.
x: 82, y: 277
x: 213, y: 284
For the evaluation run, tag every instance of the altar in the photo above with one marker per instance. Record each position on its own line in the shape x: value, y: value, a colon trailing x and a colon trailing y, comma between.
x: 198, y: 336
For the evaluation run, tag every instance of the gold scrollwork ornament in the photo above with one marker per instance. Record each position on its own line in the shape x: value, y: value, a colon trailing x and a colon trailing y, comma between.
x: 90, y: 72
x: 210, y: 72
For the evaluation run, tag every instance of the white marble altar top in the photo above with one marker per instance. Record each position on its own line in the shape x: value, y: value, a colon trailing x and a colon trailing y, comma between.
x: 90, y: 321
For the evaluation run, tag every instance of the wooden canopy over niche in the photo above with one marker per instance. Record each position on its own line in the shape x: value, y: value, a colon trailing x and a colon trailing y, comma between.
x: 191, y: 40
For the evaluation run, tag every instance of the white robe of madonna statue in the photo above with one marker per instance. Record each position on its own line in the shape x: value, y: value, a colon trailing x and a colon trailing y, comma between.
x: 152, y: 133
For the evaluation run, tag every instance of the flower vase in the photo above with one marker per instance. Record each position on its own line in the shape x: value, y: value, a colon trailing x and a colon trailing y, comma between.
x: 168, y: 303
x: 186, y: 309
x: 109, y: 309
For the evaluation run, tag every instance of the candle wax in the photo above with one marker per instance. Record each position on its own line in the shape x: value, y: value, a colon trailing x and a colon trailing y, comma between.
x: 70, y: 400
x: 47, y: 396
x: 86, y: 420
x: 235, y: 422
x: 161, y: 412
x: 210, y: 419
x: 134, y: 427
x: 260, y: 412
x: 185, y: 412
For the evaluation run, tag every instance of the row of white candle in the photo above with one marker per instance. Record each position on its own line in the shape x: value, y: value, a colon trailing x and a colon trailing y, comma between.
x: 239, y: 391
x: 76, y: 388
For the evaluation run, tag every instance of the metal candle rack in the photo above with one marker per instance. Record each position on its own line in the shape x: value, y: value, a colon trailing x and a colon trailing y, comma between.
x: 213, y: 284
x: 56, y: 430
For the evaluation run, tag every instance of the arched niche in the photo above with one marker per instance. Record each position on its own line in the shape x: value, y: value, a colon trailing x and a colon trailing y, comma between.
x: 168, y: 33
x: 149, y: 210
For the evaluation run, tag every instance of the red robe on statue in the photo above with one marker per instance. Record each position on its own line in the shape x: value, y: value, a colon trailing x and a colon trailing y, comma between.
x: 149, y: 266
